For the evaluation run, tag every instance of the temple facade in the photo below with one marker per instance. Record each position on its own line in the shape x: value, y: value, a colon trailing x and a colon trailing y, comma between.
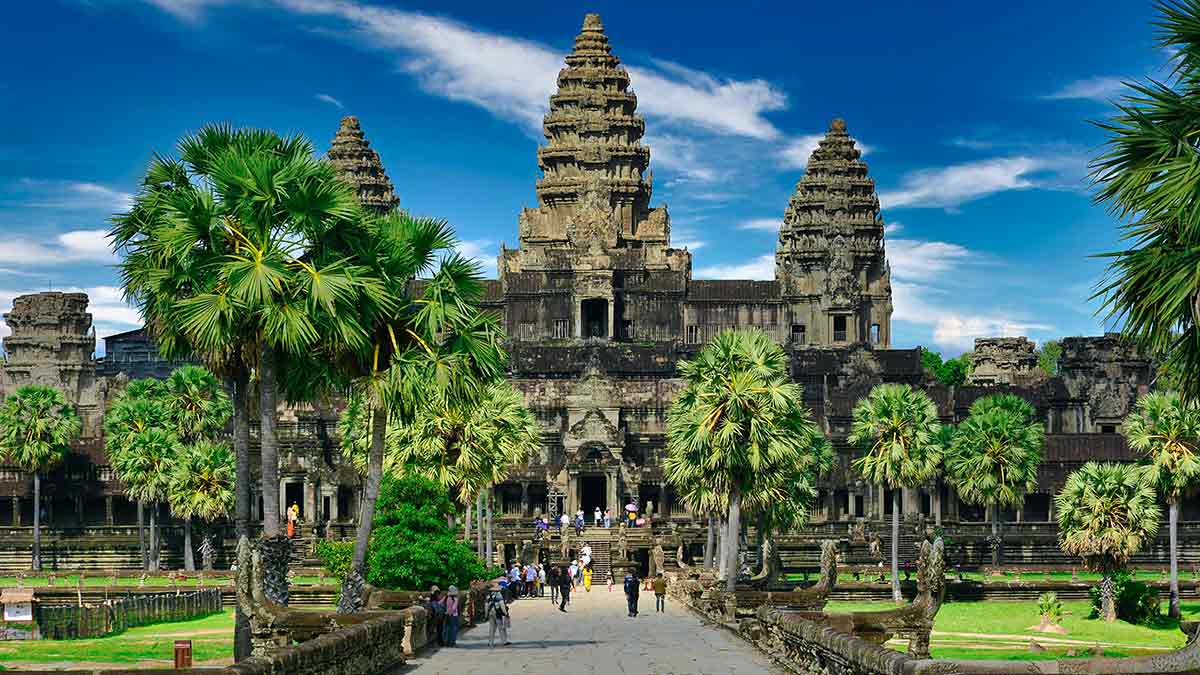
x: 599, y: 309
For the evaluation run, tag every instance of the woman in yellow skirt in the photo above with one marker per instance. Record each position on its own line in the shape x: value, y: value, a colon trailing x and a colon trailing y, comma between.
x: 587, y: 579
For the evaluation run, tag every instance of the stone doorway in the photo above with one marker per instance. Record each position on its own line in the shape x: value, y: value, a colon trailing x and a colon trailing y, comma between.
x: 593, y: 491
x: 595, y: 318
x: 293, y: 493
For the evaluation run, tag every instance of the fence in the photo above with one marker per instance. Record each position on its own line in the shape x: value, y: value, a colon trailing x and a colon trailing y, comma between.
x: 114, y: 616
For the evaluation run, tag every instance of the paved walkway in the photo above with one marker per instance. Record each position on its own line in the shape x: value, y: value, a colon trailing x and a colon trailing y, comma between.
x: 596, y: 636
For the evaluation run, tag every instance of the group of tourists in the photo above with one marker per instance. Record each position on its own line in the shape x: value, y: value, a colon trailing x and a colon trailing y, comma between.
x: 526, y: 580
x: 633, y: 588
x: 445, y: 609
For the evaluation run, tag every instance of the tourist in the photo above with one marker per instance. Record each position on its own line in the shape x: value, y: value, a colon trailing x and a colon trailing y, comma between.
x: 450, y: 627
x: 610, y: 581
x: 647, y: 585
x: 564, y: 591
x: 632, y: 591
x: 554, y: 583
x: 587, y: 579
x: 597, y: 519
x: 497, y: 616
x: 293, y: 514
x: 541, y: 582
x: 579, y: 524
x: 607, y: 519
x: 530, y: 581
x: 514, y: 581
x: 562, y: 524
x: 437, y: 609
x: 660, y: 593
x: 573, y: 571
x: 632, y: 515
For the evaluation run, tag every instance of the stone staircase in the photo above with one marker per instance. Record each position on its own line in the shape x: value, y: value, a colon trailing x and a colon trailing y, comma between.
x: 600, y: 540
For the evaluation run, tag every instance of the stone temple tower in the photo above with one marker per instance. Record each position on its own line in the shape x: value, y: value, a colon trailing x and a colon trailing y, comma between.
x: 354, y: 158
x: 830, y: 261
x: 595, y: 260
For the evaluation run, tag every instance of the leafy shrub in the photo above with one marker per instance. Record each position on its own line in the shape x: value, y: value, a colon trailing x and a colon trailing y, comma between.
x: 1050, y: 608
x: 1135, y: 601
x: 335, y: 556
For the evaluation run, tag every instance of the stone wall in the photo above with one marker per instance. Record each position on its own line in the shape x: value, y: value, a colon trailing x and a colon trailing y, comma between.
x: 69, y: 622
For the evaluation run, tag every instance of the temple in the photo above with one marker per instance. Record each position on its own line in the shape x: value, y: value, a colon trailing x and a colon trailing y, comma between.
x: 599, y: 309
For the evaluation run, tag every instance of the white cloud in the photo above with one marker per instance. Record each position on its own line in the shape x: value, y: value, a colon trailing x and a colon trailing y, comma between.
x: 1099, y: 88
x: 959, y: 332
x: 190, y: 11
x: 761, y: 224
x: 330, y: 100
x: 73, y: 195
x: 917, y: 260
x: 892, y: 228
x: 73, y: 246
x: 110, y: 313
x: 796, y: 152
x: 481, y: 251
x: 950, y: 186
x: 762, y: 267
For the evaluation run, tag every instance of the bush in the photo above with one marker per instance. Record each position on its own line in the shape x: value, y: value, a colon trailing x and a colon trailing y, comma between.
x: 1135, y: 601
x: 1050, y: 608
x: 335, y: 556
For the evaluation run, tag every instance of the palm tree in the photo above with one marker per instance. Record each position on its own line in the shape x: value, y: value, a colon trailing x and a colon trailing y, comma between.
x: 994, y: 456
x: 196, y: 403
x: 897, y: 427
x: 1149, y: 176
x: 37, y: 426
x: 1106, y: 513
x: 740, y: 425
x: 134, y: 410
x: 201, y: 486
x: 1166, y: 429
x: 145, y: 466
x: 230, y: 253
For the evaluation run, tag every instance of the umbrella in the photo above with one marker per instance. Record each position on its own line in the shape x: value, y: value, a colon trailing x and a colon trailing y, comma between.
x: 631, y: 507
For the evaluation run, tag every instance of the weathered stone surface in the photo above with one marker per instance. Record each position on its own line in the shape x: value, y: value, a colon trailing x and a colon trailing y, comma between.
x: 358, y: 162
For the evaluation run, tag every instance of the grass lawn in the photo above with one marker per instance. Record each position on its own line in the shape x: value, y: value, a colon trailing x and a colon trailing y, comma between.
x: 212, y: 638
x: 1000, y: 630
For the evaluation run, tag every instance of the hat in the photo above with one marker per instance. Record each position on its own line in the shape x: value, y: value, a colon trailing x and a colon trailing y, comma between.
x: 434, y: 588
x: 453, y: 591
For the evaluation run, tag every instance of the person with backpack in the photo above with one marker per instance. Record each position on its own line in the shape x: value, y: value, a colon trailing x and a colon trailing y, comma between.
x: 497, y: 615
x: 564, y: 590
x: 632, y: 591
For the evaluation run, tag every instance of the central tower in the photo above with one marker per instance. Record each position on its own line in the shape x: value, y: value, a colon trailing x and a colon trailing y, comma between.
x: 595, y: 260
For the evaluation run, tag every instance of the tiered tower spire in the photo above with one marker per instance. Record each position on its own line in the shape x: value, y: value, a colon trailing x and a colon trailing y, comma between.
x: 354, y: 158
x: 830, y: 253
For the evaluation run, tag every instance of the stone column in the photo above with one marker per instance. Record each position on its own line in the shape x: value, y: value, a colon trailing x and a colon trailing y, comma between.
x: 1050, y: 510
x: 310, y: 500
x: 615, y: 508
x: 108, y: 510
x: 831, y: 509
x: 283, y: 505
x: 572, y: 495
x: 524, y: 499
x: 333, y: 506
x: 79, y: 509
x: 16, y: 506
x: 937, y: 504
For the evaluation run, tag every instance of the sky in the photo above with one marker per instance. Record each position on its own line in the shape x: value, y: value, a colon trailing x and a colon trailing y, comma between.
x: 977, y: 127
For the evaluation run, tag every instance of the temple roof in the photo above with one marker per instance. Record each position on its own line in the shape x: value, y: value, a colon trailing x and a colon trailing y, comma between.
x: 355, y: 160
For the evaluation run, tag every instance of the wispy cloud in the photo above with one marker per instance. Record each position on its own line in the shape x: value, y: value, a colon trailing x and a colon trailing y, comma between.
x: 483, y: 252
x: 892, y: 228
x: 72, y: 246
x: 761, y: 224
x: 330, y: 100
x: 761, y: 267
x: 190, y: 11
x: 797, y: 151
x: 1101, y: 88
x: 110, y: 313
x: 950, y: 186
x: 71, y: 195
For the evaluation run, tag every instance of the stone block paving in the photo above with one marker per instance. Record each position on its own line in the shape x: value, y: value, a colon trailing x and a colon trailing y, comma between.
x: 596, y: 636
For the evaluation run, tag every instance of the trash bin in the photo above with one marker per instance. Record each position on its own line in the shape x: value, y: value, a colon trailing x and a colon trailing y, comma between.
x: 183, y: 653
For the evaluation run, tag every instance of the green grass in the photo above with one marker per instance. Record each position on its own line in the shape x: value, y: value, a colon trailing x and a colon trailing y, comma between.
x: 993, y: 619
x: 211, y: 636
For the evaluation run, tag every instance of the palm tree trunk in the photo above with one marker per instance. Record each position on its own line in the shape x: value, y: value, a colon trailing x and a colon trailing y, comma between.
x: 467, y: 524
x: 896, y: 545
x: 154, y: 566
x: 709, y: 541
x: 241, y: 500
x: 937, y: 503
x: 1107, y: 605
x: 1173, y: 517
x: 490, y: 506
x: 189, y: 561
x: 996, y: 535
x: 479, y: 524
x: 371, y: 490
x: 142, y: 535
x: 735, y: 514
x: 37, y: 521
x: 268, y: 442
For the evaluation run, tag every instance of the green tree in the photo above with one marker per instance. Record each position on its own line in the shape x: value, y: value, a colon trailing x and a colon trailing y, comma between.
x: 897, y: 428
x: 1149, y: 176
x: 951, y: 372
x: 200, y: 486
x: 144, y: 465
x: 740, y: 424
x: 230, y: 253
x: 994, y: 456
x: 37, y: 426
x: 1048, y: 354
x: 1166, y: 430
x: 1106, y: 513
x: 134, y: 410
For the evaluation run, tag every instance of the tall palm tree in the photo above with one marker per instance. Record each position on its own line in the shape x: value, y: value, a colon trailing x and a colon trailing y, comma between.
x: 144, y: 466
x: 1149, y: 176
x: 897, y: 428
x: 1166, y: 430
x: 231, y: 254
x: 201, y: 486
x: 37, y: 426
x: 741, y: 425
x: 994, y: 456
x: 135, y: 409
x: 1106, y: 513
x: 196, y: 403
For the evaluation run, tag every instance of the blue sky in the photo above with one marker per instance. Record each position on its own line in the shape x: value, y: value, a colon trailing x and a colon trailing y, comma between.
x: 975, y: 122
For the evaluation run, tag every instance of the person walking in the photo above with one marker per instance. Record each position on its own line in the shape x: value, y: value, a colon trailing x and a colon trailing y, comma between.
x: 564, y: 591
x: 450, y: 627
x: 530, y: 580
x: 573, y: 570
x: 587, y: 579
x: 541, y: 582
x: 562, y: 523
x: 597, y: 519
x: 554, y: 584
x: 514, y: 581
x: 632, y: 591
x: 497, y: 615
x: 607, y: 519
x: 660, y: 593
x: 579, y: 524
x: 437, y: 611
x: 293, y: 514
x: 610, y: 580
